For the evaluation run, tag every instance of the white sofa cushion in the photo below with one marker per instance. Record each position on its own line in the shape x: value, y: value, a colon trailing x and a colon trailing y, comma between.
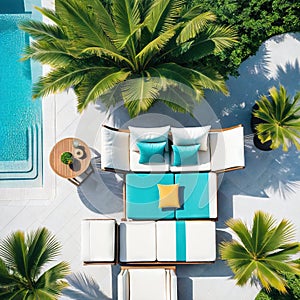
x: 142, y: 134
x: 200, y: 241
x: 114, y: 149
x: 166, y: 240
x: 98, y: 240
x: 191, y: 136
x: 147, y: 284
x: 137, y: 241
x: 227, y: 149
x: 203, y: 163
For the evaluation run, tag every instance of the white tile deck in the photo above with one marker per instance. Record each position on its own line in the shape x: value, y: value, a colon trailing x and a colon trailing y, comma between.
x: 259, y: 186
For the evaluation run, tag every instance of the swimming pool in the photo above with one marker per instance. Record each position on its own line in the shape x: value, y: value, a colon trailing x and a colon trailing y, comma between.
x: 20, y: 116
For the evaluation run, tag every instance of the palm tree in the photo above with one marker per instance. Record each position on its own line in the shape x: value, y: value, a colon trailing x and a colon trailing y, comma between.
x: 22, y: 261
x: 280, y: 119
x: 263, y: 252
x: 93, y: 46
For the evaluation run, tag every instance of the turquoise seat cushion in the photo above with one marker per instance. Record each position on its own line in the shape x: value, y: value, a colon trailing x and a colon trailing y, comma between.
x: 142, y: 196
x: 194, y: 196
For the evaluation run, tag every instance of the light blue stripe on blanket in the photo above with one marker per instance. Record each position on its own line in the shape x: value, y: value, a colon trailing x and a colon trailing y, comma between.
x: 180, y: 241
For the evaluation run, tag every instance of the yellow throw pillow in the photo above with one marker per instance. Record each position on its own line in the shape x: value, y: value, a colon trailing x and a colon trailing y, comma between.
x: 168, y: 195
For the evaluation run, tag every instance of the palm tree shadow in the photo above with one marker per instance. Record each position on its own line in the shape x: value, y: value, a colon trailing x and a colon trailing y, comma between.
x: 83, y: 287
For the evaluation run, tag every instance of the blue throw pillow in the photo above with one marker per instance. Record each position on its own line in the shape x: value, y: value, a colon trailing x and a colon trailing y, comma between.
x: 151, y: 152
x: 185, y: 155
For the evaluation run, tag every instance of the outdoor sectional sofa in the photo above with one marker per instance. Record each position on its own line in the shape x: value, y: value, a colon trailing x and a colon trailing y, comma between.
x: 161, y: 164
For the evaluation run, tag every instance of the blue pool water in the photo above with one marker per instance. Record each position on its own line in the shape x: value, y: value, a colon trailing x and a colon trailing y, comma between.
x: 20, y: 116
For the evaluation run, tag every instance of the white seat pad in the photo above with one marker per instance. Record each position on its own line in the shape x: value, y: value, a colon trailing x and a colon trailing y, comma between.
x: 98, y: 240
x: 166, y: 240
x: 200, y: 240
x: 137, y: 241
x: 147, y: 284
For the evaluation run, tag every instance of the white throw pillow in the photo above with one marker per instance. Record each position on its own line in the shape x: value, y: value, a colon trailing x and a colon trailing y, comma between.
x: 190, y: 136
x: 142, y: 134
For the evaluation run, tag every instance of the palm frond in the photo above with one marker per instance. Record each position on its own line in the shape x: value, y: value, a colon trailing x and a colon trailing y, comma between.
x: 126, y: 17
x: 50, y: 14
x: 98, y: 83
x: 163, y: 15
x: 6, y: 279
x: 42, y: 248
x: 175, y: 72
x: 269, y: 278
x: 13, y: 253
x: 61, y: 79
x: 84, y: 26
x: 277, y: 236
x: 48, y: 53
x: 261, y: 229
x: 42, y: 31
x: 139, y: 94
x: 194, y: 26
x: 156, y: 45
x: 209, y: 79
x: 238, y: 226
x: 223, y: 36
x: 52, y: 278
x: 102, y: 16
x: 103, y: 52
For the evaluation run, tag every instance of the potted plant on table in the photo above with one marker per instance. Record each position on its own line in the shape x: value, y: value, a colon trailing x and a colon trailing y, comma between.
x: 276, y: 120
x: 67, y: 158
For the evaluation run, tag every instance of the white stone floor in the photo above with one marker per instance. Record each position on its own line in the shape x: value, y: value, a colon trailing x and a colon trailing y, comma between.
x: 270, y: 182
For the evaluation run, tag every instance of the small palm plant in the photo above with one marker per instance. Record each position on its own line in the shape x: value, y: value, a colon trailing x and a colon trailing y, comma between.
x: 93, y: 46
x: 22, y: 261
x: 263, y: 252
x: 280, y: 119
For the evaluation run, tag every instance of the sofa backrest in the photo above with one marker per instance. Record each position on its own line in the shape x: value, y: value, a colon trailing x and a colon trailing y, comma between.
x: 225, y: 152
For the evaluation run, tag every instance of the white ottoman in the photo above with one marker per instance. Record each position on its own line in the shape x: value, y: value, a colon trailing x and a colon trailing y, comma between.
x: 137, y: 241
x: 98, y: 239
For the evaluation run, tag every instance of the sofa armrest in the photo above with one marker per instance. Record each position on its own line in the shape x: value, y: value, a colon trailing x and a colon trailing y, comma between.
x: 114, y: 149
x: 173, y: 288
x: 227, y: 149
x: 123, y: 285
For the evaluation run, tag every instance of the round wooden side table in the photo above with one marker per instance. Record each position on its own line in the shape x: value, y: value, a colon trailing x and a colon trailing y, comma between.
x: 81, y: 157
